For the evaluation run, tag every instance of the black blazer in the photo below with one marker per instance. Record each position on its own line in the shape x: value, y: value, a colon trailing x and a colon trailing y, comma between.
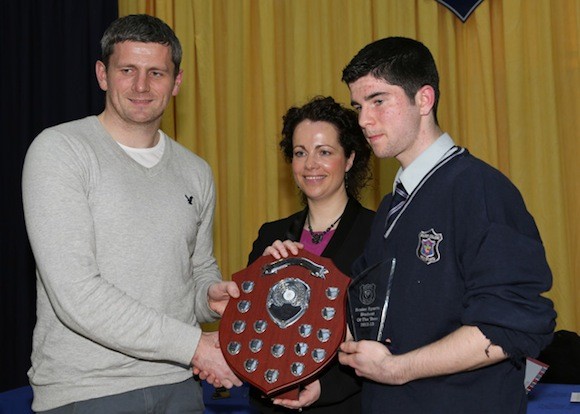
x: 340, y: 385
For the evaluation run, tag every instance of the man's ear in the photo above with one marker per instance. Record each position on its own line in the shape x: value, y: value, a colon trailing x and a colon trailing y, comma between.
x: 101, y: 72
x: 178, y: 80
x: 425, y: 99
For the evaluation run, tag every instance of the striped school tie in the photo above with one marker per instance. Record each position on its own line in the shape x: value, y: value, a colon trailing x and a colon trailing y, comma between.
x: 399, y: 198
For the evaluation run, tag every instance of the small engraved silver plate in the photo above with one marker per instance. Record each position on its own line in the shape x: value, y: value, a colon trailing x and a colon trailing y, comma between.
x: 332, y: 293
x: 260, y: 326
x: 297, y: 368
x: 244, y: 306
x: 328, y: 313
x: 318, y: 355
x: 234, y: 348
x: 323, y: 335
x: 251, y: 365
x: 239, y: 326
x: 301, y: 348
x: 271, y: 375
x: 305, y: 330
x: 278, y: 350
x: 247, y: 286
x: 256, y: 345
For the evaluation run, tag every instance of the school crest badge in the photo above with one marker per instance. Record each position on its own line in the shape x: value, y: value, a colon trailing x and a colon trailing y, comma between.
x: 428, y: 248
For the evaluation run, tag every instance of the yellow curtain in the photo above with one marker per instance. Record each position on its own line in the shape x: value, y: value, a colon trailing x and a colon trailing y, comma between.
x: 509, y: 88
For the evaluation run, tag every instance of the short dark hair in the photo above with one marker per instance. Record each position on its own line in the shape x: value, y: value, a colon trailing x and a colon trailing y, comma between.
x: 400, y: 61
x: 350, y: 136
x: 140, y: 28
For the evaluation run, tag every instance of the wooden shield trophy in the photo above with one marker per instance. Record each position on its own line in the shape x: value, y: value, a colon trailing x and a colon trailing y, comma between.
x: 287, y: 324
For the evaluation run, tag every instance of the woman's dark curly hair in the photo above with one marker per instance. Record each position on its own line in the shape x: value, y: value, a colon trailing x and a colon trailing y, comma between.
x: 350, y: 136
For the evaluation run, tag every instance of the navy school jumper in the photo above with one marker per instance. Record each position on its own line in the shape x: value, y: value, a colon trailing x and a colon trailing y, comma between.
x: 467, y: 253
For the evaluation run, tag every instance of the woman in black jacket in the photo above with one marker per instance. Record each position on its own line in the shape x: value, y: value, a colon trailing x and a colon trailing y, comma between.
x: 330, y: 162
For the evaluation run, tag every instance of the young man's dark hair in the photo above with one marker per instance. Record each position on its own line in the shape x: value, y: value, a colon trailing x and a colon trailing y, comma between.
x: 399, y: 61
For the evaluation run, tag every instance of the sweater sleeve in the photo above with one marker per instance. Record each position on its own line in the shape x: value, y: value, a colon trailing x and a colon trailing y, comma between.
x: 504, y: 298
x: 205, y: 269
x: 505, y: 267
x: 56, y: 188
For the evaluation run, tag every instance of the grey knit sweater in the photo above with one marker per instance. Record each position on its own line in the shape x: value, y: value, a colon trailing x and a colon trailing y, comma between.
x: 124, y: 259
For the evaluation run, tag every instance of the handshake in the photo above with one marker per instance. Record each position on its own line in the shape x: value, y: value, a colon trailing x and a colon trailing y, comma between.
x: 208, y: 361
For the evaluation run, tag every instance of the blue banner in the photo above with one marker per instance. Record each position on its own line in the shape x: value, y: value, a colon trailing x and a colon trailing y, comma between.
x: 461, y: 8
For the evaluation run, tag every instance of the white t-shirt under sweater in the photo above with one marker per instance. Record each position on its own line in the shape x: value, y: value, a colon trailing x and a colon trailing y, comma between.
x: 124, y: 259
x: 147, y: 157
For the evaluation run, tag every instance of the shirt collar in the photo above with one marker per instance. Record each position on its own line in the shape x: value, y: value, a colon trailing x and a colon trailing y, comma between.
x: 420, y: 167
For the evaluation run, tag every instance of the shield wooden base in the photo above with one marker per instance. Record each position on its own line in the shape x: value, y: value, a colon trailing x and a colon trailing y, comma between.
x: 287, y: 324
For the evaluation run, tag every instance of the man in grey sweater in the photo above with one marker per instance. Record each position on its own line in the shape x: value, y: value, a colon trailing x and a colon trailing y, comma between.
x: 120, y: 220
